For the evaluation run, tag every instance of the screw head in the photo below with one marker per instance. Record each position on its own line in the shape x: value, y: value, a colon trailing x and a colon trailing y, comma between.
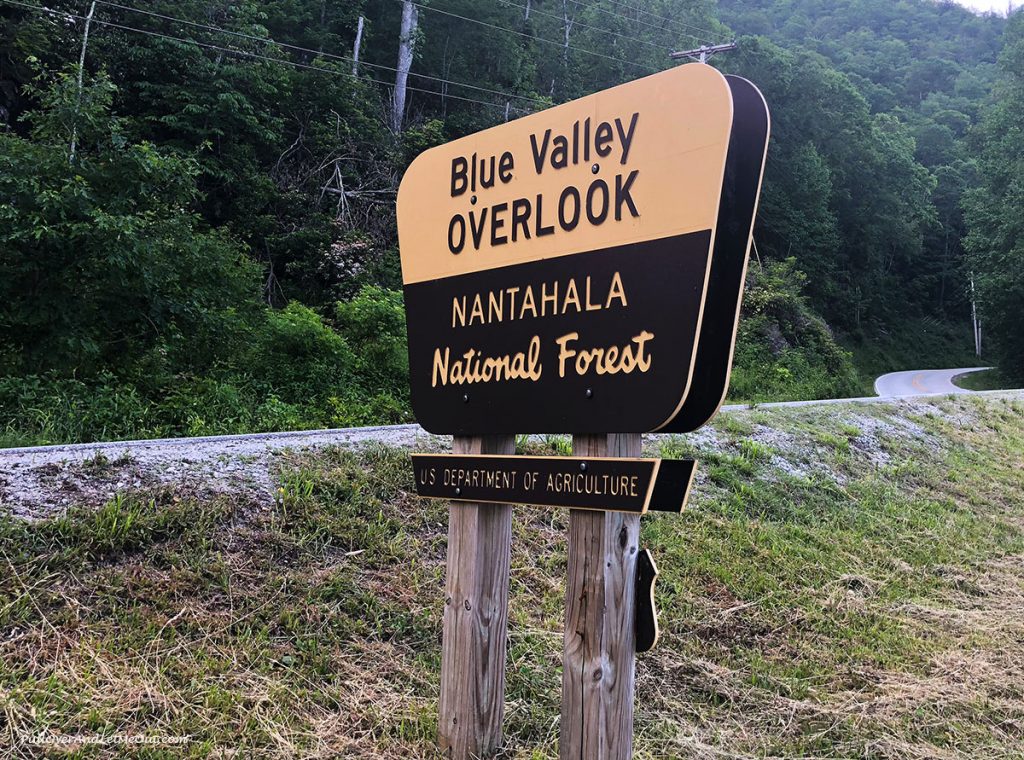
x: 595, y: 168
x: 458, y: 492
x: 465, y: 398
x: 583, y: 466
x: 589, y: 393
x: 472, y: 199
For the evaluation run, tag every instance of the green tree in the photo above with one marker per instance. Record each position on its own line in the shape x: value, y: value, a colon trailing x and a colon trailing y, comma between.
x: 931, y: 65
x: 843, y: 194
x: 103, y: 262
x: 995, y: 241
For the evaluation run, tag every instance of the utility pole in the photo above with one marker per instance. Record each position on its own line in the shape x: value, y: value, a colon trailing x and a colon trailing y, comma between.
x: 406, y: 42
x: 702, y: 53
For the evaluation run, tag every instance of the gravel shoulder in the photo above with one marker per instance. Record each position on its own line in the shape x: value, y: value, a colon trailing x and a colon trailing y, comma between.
x: 44, y: 481
x: 41, y: 481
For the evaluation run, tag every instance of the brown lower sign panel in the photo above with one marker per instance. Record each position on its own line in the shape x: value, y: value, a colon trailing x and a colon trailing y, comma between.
x: 585, y: 343
x: 608, y: 484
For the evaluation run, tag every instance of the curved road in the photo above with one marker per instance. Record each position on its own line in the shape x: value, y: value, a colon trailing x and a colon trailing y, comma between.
x: 922, y: 382
x: 41, y: 480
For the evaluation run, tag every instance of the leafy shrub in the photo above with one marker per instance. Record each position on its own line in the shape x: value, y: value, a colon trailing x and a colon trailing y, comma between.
x: 204, y: 406
x: 101, y: 259
x: 125, y: 317
x: 296, y: 355
x: 784, y: 350
x: 373, y: 324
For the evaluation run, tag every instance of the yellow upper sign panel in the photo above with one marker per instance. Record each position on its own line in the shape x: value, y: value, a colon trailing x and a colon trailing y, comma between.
x: 641, y: 161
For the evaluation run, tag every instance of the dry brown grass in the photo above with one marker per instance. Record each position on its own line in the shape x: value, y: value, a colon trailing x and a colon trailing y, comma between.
x: 877, y: 617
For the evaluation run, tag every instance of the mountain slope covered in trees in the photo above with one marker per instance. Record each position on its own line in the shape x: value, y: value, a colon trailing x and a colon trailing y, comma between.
x: 930, y: 68
x: 197, y: 234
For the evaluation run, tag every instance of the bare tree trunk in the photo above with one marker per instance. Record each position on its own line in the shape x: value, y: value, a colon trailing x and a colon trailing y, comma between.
x: 323, y: 23
x: 446, y: 70
x: 81, y: 72
x: 974, y: 320
x: 406, y: 43
x: 356, y: 46
x: 567, y: 23
x: 566, y: 28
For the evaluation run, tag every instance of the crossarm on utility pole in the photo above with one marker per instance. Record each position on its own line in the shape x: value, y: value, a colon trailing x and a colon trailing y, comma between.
x: 702, y: 53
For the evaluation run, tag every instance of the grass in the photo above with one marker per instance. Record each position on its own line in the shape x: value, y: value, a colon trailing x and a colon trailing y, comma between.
x: 848, y: 582
x: 986, y: 380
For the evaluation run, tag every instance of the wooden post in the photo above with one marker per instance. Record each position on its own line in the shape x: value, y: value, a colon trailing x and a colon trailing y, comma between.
x: 472, y: 703
x: 599, y: 653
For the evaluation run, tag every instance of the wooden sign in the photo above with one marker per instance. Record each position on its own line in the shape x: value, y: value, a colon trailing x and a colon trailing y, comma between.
x: 578, y: 270
x: 748, y: 146
x: 558, y: 269
x: 610, y: 484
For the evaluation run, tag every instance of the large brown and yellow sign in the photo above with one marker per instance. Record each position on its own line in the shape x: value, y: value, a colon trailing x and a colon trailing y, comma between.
x: 558, y: 269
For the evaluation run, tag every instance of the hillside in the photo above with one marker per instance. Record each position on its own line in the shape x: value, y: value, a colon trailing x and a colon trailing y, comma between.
x: 199, y: 236
x: 847, y: 582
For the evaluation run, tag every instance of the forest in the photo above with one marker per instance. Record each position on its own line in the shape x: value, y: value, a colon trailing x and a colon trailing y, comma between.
x: 197, y: 226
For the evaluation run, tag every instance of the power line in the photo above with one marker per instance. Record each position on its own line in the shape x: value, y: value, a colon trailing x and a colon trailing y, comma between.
x: 613, y: 14
x: 587, y: 26
x: 245, y: 53
x: 319, y: 53
x: 666, y: 19
x: 667, y: 25
x: 530, y: 36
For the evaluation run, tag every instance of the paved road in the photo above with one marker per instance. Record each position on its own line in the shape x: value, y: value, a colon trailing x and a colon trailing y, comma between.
x: 893, y: 385
x: 42, y: 480
x: 922, y: 382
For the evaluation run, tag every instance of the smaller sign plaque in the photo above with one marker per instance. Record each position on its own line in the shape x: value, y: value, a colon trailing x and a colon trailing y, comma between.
x: 606, y: 484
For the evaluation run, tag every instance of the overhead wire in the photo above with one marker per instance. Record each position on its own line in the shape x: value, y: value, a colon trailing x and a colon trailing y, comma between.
x: 709, y: 35
x: 474, y: 20
x: 613, y: 14
x: 538, y: 12
x: 319, y: 53
x: 249, y: 54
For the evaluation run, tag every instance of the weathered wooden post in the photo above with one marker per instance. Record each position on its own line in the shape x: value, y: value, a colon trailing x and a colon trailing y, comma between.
x: 599, y: 650
x: 581, y: 270
x: 475, y: 617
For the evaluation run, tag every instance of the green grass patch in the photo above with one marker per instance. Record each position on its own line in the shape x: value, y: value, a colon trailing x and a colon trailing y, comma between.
x: 809, y: 606
x: 986, y: 380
